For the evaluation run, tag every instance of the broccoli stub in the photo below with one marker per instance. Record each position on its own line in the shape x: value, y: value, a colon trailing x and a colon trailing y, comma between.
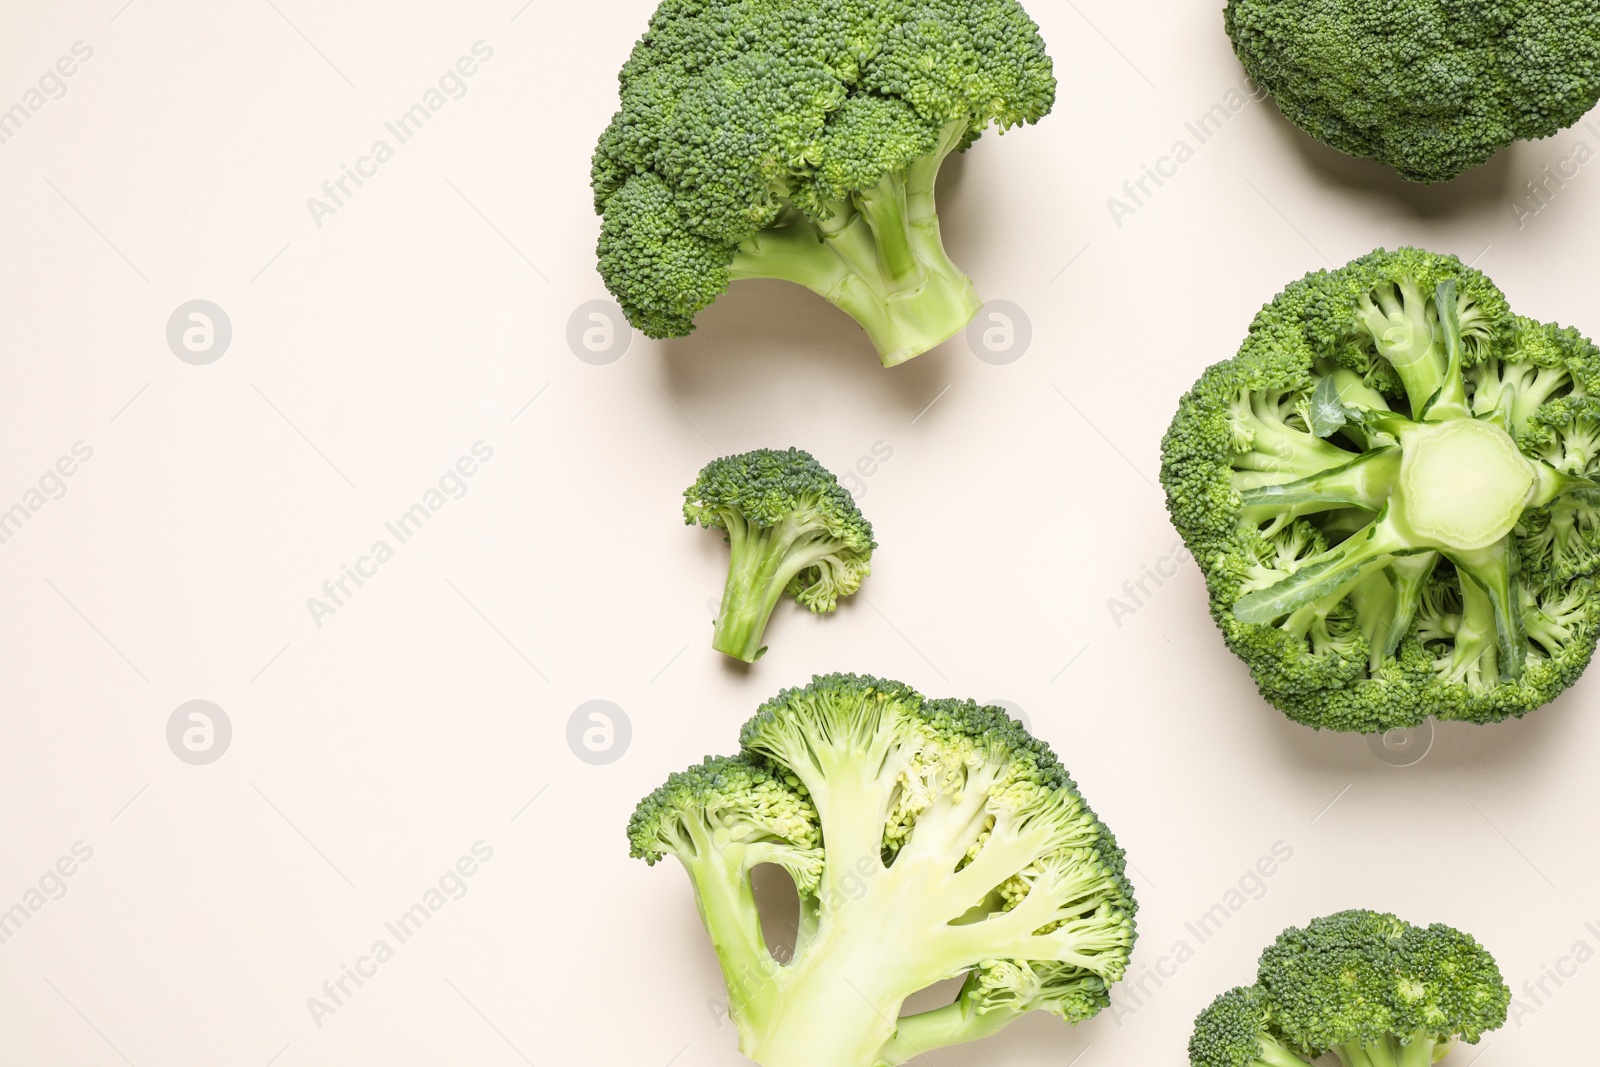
x: 1392, y: 492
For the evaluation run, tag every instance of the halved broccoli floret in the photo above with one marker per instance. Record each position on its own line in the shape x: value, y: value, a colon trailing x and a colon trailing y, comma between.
x: 791, y: 527
x: 1367, y: 986
x: 1391, y: 492
x: 1430, y: 87
x: 802, y: 141
x: 927, y: 839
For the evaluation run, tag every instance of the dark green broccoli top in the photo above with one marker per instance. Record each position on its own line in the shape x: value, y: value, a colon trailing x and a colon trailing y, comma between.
x: 1430, y: 87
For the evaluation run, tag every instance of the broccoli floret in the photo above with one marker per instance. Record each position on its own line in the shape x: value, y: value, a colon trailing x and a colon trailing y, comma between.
x: 927, y: 839
x: 1430, y: 87
x: 1391, y: 491
x: 802, y: 141
x: 1367, y: 986
x: 792, y: 529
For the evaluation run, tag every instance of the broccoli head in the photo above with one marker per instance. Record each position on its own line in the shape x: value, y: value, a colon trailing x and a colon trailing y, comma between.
x: 927, y: 839
x: 802, y: 141
x: 1391, y: 492
x: 791, y: 527
x: 1430, y: 87
x: 1369, y: 987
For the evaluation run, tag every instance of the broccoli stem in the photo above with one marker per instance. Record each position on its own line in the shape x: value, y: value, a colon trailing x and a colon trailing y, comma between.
x: 1323, y: 577
x: 1365, y: 482
x: 880, y: 258
x: 952, y: 1024
x: 733, y: 922
x: 1494, y: 570
x: 831, y: 1011
x: 763, y: 560
x: 1410, y: 575
x: 1396, y: 317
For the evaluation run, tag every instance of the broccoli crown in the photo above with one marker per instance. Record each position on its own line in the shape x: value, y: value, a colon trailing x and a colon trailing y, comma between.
x: 1366, y: 985
x: 727, y: 804
x: 951, y: 842
x: 743, y: 116
x: 1236, y: 1031
x: 1430, y: 87
x: 1390, y: 490
x: 765, y: 487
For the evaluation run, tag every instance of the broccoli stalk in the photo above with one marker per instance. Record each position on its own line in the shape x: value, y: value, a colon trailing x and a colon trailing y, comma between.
x: 791, y: 527
x: 878, y: 256
x: 926, y: 839
x: 1386, y: 486
x: 1368, y: 987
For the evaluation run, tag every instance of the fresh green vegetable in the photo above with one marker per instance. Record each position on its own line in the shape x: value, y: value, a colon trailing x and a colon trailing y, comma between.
x: 792, y: 528
x: 1430, y: 87
x: 927, y: 839
x: 802, y: 141
x: 1391, y: 492
x: 1371, y: 988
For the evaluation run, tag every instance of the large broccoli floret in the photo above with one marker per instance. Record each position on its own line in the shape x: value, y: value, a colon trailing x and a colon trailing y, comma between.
x: 927, y: 839
x: 792, y: 528
x: 802, y: 141
x: 1430, y: 87
x: 1367, y: 986
x: 1391, y: 492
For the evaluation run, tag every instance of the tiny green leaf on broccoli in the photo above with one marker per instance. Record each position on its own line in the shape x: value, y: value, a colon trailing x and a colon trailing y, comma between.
x: 791, y: 527
x: 1430, y: 87
x: 1366, y: 986
x: 802, y: 141
x: 928, y: 839
x: 1435, y: 552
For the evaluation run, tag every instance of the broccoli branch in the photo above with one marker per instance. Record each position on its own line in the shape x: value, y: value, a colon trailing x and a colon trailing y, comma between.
x: 1324, y: 576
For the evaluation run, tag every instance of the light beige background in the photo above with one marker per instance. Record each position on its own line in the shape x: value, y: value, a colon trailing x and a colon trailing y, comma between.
x: 429, y: 712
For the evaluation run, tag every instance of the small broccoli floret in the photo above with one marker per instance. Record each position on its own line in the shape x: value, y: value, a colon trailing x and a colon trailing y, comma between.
x: 1430, y: 87
x: 951, y: 842
x: 1236, y: 1031
x: 803, y: 142
x: 792, y: 528
x: 1391, y: 490
x: 1367, y: 986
